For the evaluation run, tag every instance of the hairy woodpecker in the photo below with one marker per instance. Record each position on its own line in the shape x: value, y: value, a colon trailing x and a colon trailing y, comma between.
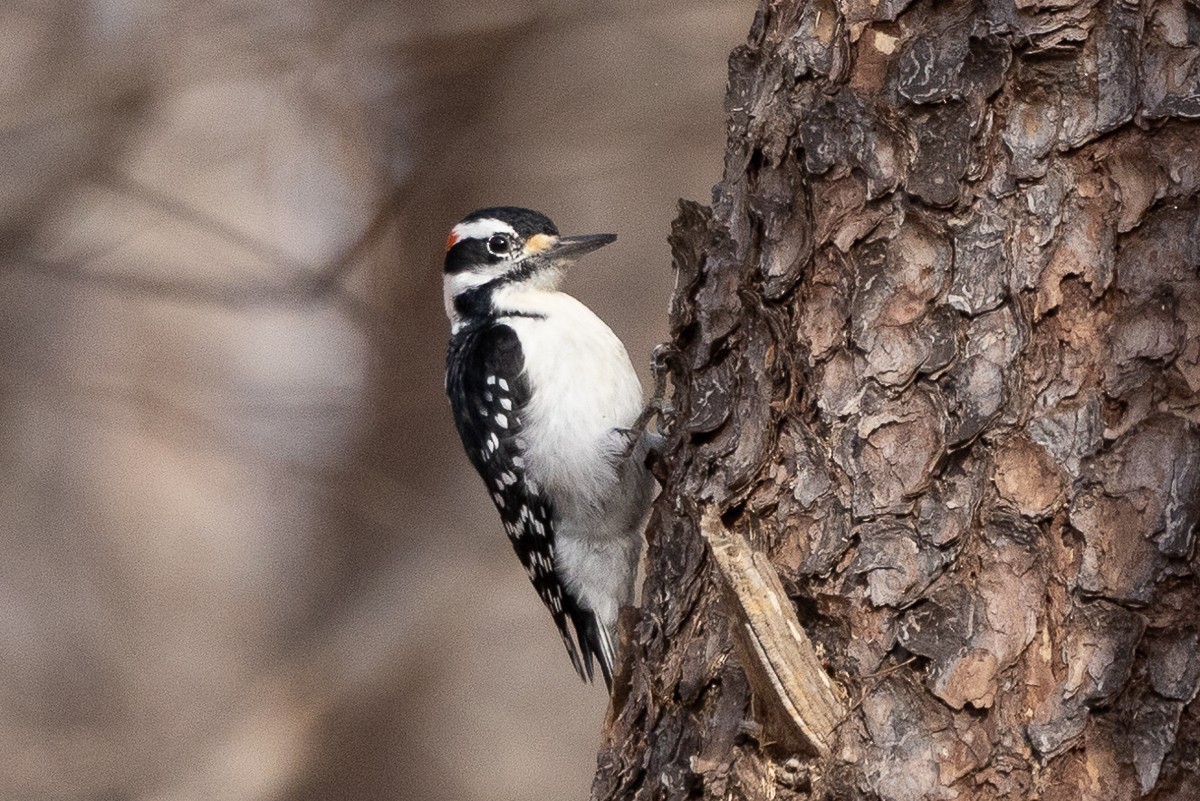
x: 544, y: 398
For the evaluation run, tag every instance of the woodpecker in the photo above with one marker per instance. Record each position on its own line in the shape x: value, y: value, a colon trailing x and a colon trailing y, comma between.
x: 547, y: 404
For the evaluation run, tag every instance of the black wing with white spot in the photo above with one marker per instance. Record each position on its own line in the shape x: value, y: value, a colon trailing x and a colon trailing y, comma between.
x: 489, y: 395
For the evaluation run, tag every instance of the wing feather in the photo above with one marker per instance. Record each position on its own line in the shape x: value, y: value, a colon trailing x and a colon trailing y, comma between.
x: 490, y: 395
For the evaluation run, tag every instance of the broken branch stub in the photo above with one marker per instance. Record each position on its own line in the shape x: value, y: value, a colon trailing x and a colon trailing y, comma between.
x: 778, y: 657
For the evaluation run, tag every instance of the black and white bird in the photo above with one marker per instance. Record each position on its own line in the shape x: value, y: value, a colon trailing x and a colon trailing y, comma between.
x: 544, y: 397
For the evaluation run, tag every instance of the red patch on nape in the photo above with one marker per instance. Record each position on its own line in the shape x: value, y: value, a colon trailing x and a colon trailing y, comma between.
x: 451, y: 241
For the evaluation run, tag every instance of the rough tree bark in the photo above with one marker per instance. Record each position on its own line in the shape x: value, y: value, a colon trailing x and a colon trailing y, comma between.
x: 938, y: 360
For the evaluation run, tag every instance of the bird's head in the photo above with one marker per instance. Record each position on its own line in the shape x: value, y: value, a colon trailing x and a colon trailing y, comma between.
x: 507, y: 245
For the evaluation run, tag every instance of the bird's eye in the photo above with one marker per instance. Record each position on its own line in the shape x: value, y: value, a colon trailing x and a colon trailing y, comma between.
x: 499, y: 245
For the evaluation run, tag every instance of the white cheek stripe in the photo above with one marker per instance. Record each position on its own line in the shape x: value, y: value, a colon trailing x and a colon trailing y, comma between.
x: 482, y: 229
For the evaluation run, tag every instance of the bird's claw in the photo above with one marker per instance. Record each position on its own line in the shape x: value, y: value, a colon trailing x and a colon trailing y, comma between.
x: 658, y: 407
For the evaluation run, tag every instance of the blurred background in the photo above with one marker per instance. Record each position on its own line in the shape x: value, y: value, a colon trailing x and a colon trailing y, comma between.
x: 241, y: 553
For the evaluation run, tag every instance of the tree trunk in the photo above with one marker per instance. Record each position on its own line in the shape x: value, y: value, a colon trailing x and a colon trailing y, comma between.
x: 938, y: 353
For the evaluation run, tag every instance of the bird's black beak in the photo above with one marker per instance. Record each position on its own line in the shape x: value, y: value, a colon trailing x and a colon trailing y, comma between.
x: 570, y: 248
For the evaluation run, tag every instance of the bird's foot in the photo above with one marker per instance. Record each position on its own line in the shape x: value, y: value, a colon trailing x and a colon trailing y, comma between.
x: 657, y: 408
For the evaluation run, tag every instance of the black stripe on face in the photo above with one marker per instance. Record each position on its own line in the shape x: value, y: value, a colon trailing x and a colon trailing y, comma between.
x: 467, y: 253
x: 475, y: 304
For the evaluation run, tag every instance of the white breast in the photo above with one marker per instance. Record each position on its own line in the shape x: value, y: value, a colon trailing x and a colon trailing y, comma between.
x: 584, y: 387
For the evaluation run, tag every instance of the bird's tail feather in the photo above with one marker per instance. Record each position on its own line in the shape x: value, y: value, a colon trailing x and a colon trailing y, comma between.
x: 595, y: 640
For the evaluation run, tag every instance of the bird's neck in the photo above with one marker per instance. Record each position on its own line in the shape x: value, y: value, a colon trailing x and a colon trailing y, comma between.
x: 496, y: 299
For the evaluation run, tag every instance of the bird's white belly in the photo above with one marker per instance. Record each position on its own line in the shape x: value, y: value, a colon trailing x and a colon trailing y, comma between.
x: 584, y: 388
